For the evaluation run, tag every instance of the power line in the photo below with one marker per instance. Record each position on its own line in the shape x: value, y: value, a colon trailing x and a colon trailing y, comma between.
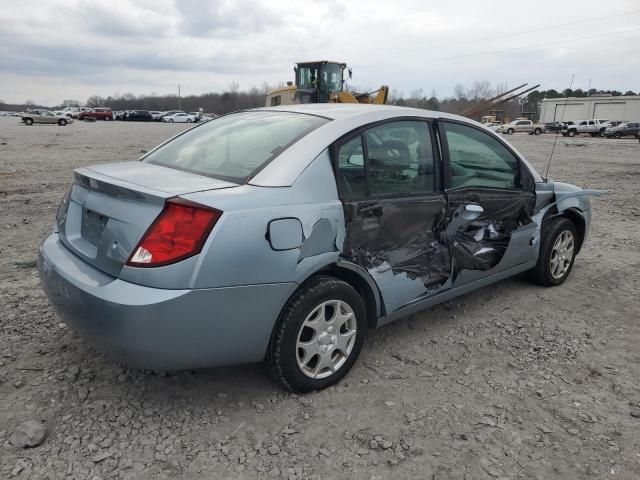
x: 539, y: 45
x: 506, y: 35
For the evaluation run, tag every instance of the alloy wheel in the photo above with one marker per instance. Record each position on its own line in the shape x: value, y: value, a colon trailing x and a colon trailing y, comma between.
x: 562, y: 254
x: 325, y: 339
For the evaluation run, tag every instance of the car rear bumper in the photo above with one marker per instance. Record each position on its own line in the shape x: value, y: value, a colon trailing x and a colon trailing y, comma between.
x: 157, y: 328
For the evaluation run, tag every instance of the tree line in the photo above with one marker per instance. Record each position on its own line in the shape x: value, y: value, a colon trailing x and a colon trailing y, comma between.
x: 233, y: 99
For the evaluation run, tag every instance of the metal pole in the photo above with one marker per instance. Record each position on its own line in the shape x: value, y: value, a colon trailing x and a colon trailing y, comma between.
x: 179, y: 98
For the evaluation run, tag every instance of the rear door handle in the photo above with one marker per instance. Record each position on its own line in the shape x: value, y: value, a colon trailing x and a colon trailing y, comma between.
x: 370, y: 209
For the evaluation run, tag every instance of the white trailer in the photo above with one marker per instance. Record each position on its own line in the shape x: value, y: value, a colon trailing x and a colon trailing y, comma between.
x: 582, y: 108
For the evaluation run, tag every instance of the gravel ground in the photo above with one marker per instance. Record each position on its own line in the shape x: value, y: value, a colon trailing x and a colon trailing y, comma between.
x: 512, y: 381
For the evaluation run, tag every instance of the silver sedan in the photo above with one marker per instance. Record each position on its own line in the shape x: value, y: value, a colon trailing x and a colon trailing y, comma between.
x: 284, y: 234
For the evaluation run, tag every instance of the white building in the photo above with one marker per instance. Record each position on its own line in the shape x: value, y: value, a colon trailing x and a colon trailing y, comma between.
x: 583, y: 108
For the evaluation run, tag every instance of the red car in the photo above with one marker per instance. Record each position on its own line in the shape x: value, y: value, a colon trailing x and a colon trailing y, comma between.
x: 97, y: 113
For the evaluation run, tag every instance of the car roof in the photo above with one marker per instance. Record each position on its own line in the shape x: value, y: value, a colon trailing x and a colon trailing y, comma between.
x: 290, y: 164
x: 336, y: 111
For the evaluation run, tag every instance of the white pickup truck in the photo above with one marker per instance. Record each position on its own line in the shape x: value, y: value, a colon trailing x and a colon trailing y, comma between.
x: 520, y: 125
x: 594, y: 127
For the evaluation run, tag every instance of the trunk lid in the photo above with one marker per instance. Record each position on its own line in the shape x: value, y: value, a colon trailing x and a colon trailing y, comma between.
x: 110, y: 207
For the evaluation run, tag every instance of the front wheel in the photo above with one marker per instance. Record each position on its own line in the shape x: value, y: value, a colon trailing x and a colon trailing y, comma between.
x: 537, y: 131
x: 189, y: 120
x: 62, y: 122
x: 571, y: 133
x: 510, y: 131
x: 28, y: 121
x: 318, y: 336
x: 558, y: 250
x: 617, y: 135
x: 171, y: 120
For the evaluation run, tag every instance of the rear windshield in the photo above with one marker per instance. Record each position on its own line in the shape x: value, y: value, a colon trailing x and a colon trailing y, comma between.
x: 237, y: 146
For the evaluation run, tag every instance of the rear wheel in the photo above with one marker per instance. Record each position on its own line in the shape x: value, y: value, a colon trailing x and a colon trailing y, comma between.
x: 558, y: 249
x: 62, y: 122
x: 318, y: 336
x: 28, y: 121
x: 510, y: 131
x: 537, y: 131
x: 617, y: 135
x: 171, y: 120
x: 571, y: 133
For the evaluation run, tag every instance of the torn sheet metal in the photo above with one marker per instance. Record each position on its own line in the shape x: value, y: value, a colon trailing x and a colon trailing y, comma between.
x: 480, y: 243
x: 321, y: 240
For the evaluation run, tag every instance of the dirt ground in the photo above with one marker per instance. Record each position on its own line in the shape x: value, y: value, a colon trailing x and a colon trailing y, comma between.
x: 512, y: 381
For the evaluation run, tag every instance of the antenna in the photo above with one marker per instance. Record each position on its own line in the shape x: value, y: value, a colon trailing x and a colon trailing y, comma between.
x: 555, y: 140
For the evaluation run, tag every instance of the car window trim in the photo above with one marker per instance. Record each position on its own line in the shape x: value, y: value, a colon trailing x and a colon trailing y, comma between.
x: 446, y: 159
x: 359, y: 131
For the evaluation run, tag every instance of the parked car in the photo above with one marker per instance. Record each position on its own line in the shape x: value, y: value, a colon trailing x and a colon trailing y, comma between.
x: 155, y: 114
x: 101, y: 113
x: 495, y: 126
x: 160, y: 117
x: 555, y: 127
x: 523, y: 125
x: 594, y: 127
x: 284, y: 235
x: 623, y: 129
x: 79, y: 111
x: 179, y: 118
x: 44, y: 116
x: 138, y: 116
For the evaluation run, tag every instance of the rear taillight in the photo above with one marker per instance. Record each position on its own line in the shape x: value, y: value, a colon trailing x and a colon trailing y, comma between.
x: 179, y: 232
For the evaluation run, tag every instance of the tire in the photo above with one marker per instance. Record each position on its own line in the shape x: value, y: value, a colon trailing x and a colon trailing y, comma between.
x: 510, y: 131
x: 62, y: 122
x: 28, y: 121
x: 617, y: 135
x: 171, y: 120
x: 285, y: 360
x: 537, y: 131
x: 594, y: 135
x: 548, y: 272
x: 571, y: 133
x: 189, y: 120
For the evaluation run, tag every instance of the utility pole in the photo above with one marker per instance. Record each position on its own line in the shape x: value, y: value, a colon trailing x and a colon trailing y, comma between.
x: 179, y: 97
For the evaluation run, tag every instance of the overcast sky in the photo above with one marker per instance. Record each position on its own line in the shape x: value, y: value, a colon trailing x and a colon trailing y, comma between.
x: 71, y: 49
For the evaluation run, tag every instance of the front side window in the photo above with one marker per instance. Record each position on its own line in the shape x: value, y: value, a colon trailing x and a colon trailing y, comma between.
x: 235, y: 147
x: 307, y: 77
x: 332, y: 78
x: 476, y: 159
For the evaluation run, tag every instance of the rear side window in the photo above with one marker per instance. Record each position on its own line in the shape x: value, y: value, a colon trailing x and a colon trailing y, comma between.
x: 397, y: 161
x: 476, y: 159
x: 400, y: 159
x: 237, y: 146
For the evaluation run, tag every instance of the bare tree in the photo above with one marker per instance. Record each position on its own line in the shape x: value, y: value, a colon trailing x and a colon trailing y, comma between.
x: 480, y: 90
x: 458, y: 91
x: 70, y: 103
x: 95, y: 101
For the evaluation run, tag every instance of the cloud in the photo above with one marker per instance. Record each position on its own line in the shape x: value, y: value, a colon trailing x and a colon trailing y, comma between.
x: 103, y: 46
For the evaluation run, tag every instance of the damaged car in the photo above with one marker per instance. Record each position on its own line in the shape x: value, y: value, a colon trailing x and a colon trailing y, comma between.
x: 284, y: 234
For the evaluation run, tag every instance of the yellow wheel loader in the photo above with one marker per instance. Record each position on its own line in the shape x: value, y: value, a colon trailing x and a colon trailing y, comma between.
x: 322, y: 82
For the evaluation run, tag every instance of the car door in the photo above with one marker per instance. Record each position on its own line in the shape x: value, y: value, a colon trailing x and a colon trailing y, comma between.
x: 522, y: 126
x: 48, y: 117
x: 490, y: 199
x: 388, y: 180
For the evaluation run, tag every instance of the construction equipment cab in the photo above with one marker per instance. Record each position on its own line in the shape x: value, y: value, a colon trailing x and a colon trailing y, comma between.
x: 321, y: 82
